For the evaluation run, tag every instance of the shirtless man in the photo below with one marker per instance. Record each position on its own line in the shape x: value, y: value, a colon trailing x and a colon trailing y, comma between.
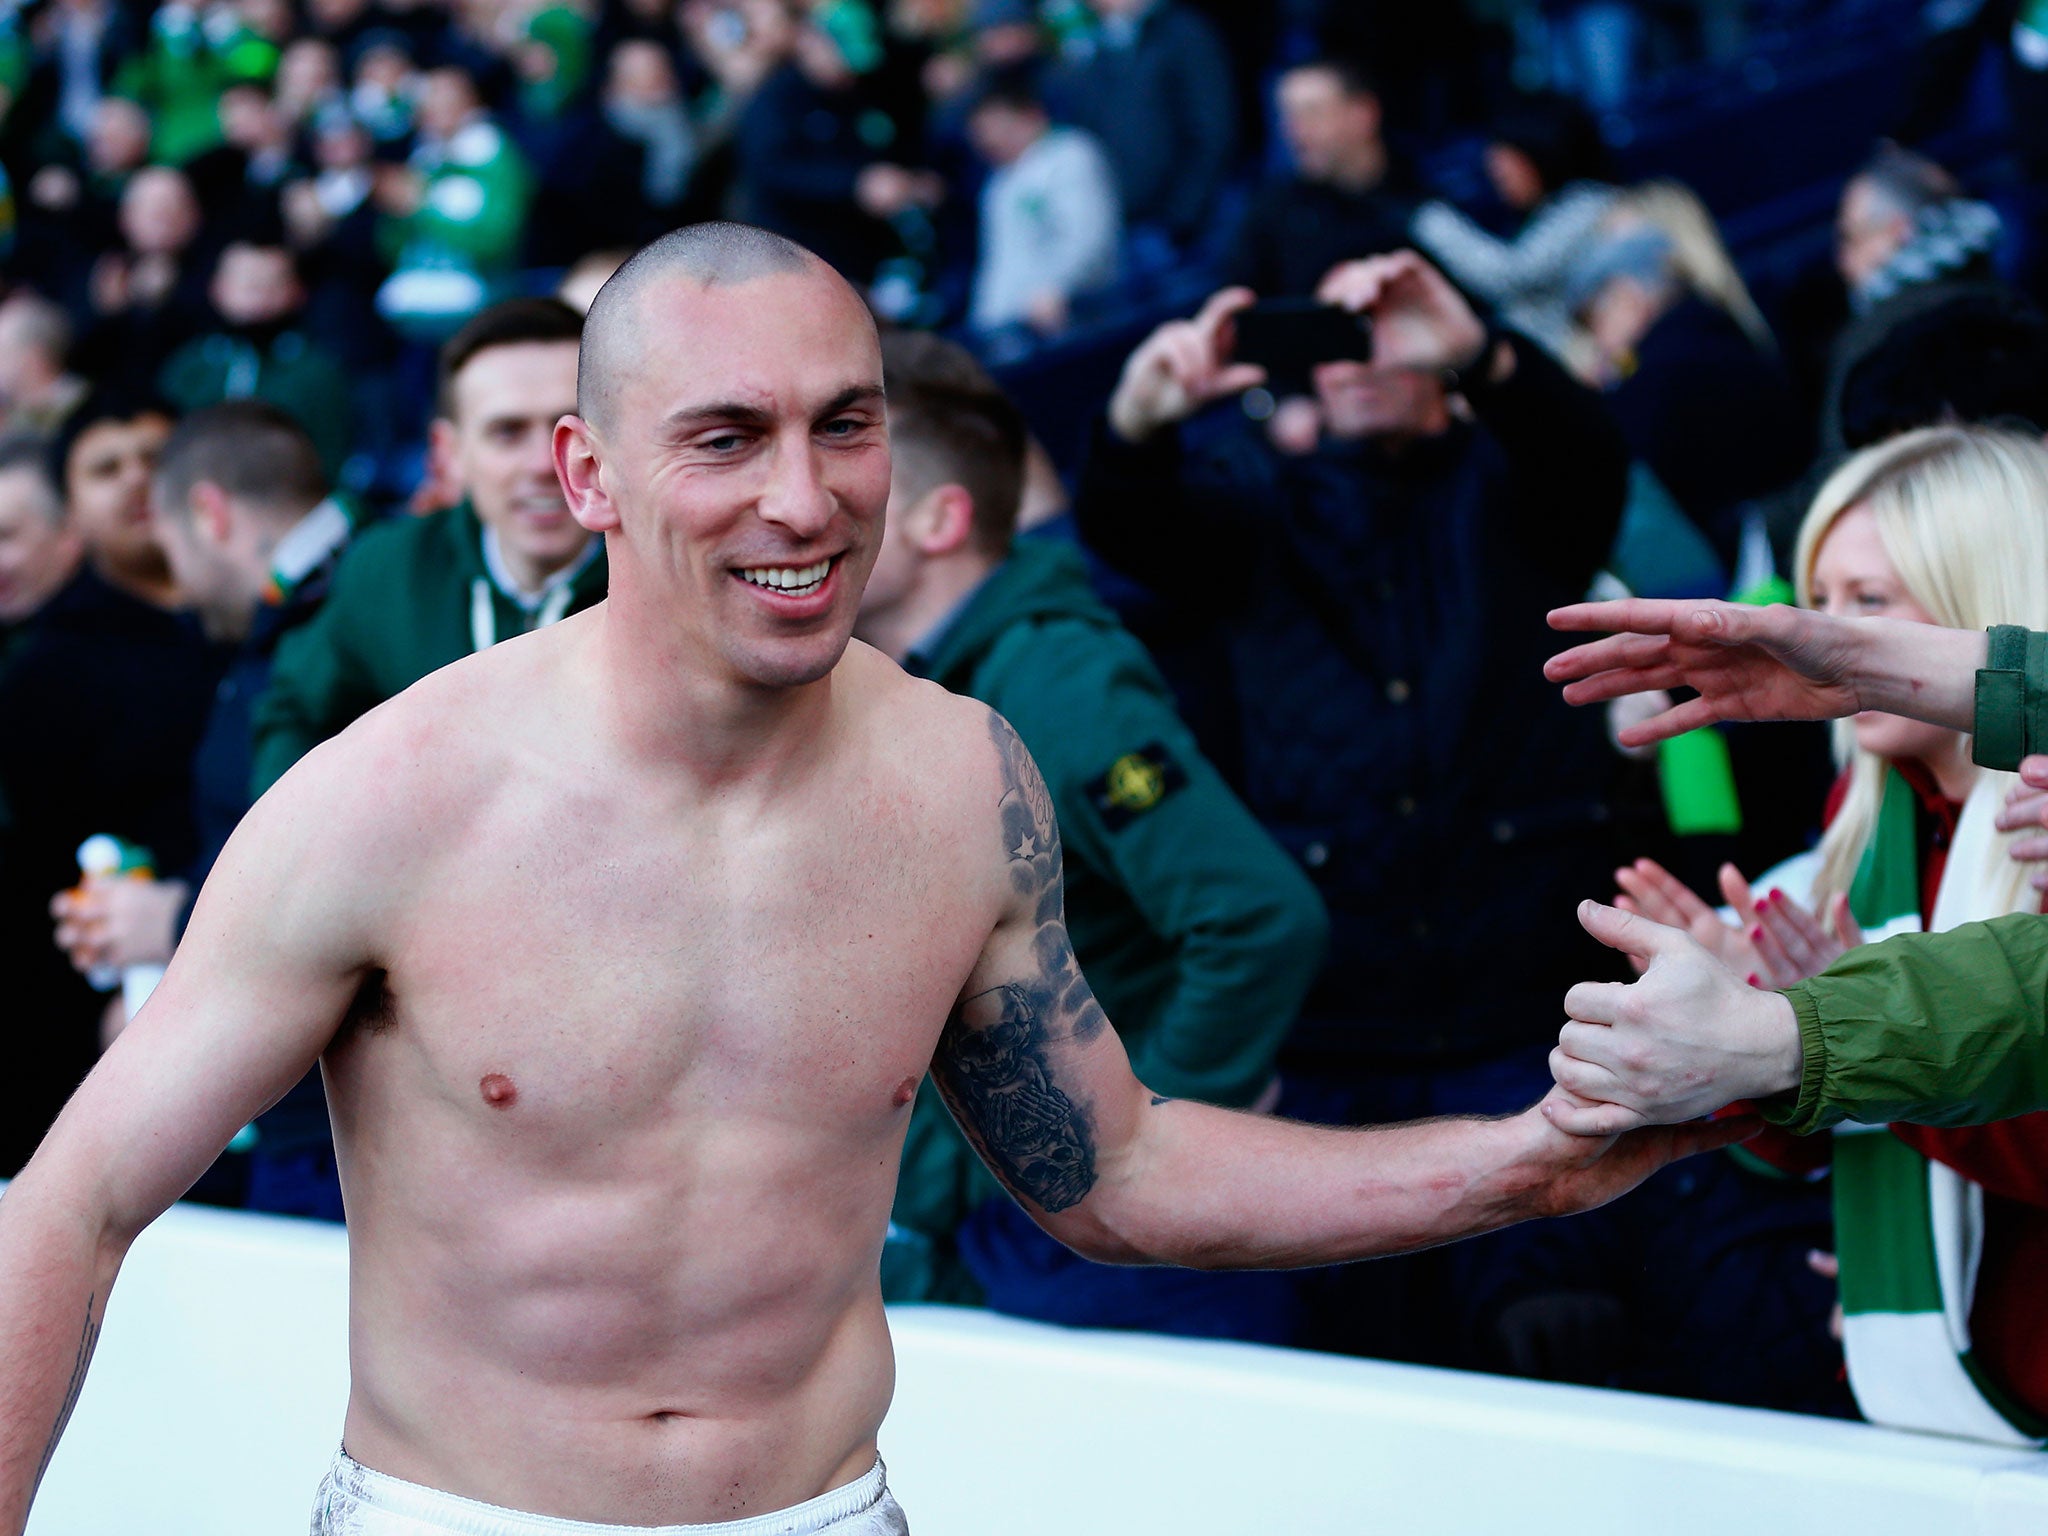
x: 625, y: 945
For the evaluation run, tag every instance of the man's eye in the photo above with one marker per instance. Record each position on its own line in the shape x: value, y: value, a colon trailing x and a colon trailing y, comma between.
x: 725, y: 442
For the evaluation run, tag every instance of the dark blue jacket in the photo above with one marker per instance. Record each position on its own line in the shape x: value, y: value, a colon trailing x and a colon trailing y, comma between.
x: 1378, y: 621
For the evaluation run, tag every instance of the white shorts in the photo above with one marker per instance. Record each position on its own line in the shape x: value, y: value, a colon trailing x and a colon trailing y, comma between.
x: 354, y: 1501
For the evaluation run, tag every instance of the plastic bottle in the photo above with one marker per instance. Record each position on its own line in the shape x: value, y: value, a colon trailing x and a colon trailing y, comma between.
x: 106, y: 857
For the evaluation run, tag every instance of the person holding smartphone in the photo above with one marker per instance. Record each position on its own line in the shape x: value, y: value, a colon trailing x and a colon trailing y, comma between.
x: 1377, y: 606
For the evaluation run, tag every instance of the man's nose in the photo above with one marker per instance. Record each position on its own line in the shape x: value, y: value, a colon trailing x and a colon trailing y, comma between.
x: 796, y: 496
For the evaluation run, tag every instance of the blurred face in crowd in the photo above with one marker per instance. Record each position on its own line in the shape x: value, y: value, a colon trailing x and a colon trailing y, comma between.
x: 341, y: 144
x: 256, y: 285
x: 1114, y: 8
x: 1516, y: 181
x: 1002, y: 130
x: 27, y: 365
x: 106, y: 490
x: 118, y: 140
x: 249, y: 120
x: 1331, y: 132
x: 385, y: 69
x: 1361, y: 401
x: 159, y: 214
x: 744, y: 462
x: 308, y: 72
x: 820, y: 59
x: 499, y: 446
x: 332, y: 15
x: 1868, y: 232
x: 1007, y: 44
x: 641, y: 75
x: 448, y: 100
x: 1853, y: 578
x: 271, y: 19
x: 38, y: 551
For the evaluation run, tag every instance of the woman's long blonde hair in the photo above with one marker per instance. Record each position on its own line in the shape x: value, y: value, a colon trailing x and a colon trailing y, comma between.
x: 1962, y: 513
x: 1698, y: 255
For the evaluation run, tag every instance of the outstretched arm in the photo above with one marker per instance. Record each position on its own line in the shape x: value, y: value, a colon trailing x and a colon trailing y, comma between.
x: 1774, y: 663
x: 1040, y: 1083
x: 267, y: 970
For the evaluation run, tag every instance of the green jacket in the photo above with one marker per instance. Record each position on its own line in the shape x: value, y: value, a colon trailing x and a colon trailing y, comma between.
x: 1198, y: 934
x: 1940, y: 1028
x: 403, y: 603
x: 286, y: 371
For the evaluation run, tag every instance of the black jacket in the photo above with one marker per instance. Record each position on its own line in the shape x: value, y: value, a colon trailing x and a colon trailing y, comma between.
x: 1380, y: 628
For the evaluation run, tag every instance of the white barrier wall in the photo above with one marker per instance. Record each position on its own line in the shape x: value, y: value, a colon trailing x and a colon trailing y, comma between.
x: 216, y: 1398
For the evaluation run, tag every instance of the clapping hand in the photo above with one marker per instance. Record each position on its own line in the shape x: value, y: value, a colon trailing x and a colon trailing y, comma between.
x: 2027, y: 806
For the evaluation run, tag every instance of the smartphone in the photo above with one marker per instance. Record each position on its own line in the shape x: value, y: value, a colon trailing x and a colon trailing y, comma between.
x: 1289, y: 337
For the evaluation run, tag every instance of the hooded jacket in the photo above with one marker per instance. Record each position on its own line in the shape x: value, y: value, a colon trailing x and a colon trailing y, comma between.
x: 1197, y: 933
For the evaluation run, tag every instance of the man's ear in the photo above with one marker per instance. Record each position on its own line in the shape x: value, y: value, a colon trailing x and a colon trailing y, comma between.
x: 580, y: 468
x: 208, y: 504
x: 940, y: 521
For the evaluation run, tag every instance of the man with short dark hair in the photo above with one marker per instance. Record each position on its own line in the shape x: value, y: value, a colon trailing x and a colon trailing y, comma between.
x: 624, y: 947
x: 39, y: 550
x: 1343, y: 197
x: 1198, y: 934
x: 241, y: 508
x: 419, y: 593
x: 103, y: 456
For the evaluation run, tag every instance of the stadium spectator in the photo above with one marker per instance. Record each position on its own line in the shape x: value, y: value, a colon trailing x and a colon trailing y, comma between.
x: 1379, y: 604
x: 238, y: 182
x: 1049, y: 220
x: 1344, y: 194
x: 261, y: 353
x: 1700, y: 403
x: 644, y: 105
x: 242, y: 511
x: 1548, y: 166
x: 105, y: 696
x: 419, y: 593
x: 1904, y: 221
x: 455, y: 213
x: 148, y: 297
x: 39, y: 551
x: 1151, y: 81
x: 824, y: 155
x: 1203, y: 934
x: 37, y: 390
x: 308, y: 82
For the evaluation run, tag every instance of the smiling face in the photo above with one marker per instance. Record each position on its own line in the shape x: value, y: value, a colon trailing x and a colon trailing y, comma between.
x: 498, y: 445
x: 741, y: 468
x: 1853, y: 578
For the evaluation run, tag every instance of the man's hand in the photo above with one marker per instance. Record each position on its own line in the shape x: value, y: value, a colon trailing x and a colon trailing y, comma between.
x: 1419, y: 320
x: 2027, y: 806
x: 1181, y: 367
x: 1687, y: 1039
x: 1585, y: 1171
x: 119, y: 921
x: 1774, y: 663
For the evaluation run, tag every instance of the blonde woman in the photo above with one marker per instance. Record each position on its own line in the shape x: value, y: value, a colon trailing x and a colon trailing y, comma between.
x: 1943, y: 1331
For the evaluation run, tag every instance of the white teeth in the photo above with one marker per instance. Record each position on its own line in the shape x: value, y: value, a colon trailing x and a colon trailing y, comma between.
x: 799, y: 581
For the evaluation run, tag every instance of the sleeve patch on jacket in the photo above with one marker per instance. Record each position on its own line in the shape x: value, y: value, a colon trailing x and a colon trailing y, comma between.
x: 1135, y: 783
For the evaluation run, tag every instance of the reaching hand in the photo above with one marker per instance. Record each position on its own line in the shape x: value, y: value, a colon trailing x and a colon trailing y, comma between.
x: 2027, y: 806
x: 1687, y: 1039
x: 1181, y: 367
x: 1746, y: 663
x: 1588, y: 1171
x: 1418, y: 319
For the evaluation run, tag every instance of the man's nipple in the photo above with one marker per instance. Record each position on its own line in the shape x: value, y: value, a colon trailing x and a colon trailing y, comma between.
x: 905, y: 1092
x: 497, y: 1090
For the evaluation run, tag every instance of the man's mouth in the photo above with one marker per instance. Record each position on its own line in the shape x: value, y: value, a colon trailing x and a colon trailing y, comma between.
x: 795, y: 580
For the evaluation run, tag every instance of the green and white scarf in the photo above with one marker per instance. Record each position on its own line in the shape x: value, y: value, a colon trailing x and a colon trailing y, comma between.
x: 1909, y: 1231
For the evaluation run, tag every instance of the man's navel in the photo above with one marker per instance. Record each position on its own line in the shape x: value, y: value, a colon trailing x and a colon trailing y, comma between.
x: 498, y: 1090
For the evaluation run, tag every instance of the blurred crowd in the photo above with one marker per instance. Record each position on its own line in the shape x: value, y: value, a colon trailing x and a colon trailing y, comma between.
x: 293, y: 295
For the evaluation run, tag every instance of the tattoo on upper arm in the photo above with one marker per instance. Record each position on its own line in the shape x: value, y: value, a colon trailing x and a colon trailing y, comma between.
x: 995, y: 1059
x: 86, y: 1341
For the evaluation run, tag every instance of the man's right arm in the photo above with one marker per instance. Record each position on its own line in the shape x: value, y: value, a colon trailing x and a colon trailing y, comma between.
x: 278, y: 946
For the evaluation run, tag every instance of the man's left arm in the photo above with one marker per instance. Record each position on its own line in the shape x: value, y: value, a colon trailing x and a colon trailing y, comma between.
x: 1040, y: 1083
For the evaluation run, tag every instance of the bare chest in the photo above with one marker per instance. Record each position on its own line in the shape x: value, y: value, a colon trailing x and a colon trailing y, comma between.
x: 612, y: 972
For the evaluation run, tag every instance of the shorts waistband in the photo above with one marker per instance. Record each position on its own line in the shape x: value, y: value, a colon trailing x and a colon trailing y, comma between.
x: 353, y: 1491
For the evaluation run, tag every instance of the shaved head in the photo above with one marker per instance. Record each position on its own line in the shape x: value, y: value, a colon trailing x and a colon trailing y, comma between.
x: 712, y: 255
